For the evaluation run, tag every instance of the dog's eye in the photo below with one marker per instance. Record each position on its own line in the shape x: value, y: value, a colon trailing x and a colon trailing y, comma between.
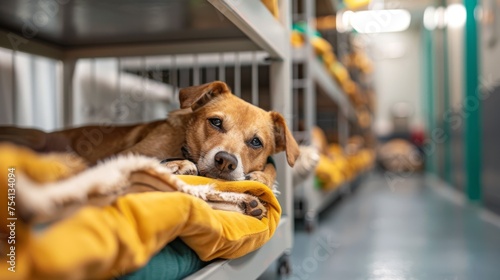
x: 216, y: 122
x: 255, y: 143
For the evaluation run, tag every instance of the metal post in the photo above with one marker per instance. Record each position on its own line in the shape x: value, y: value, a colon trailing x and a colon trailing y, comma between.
x: 184, y: 77
x: 222, y: 68
x: 281, y: 102
x: 93, y: 75
x: 472, y: 99
x: 120, y: 109
x: 255, y: 79
x: 310, y: 93
x: 308, y: 8
x: 33, y: 93
x: 68, y: 69
x: 173, y: 79
x: 144, y: 80
x: 295, y: 95
x: 237, y: 75
x: 15, y: 119
x: 196, y: 70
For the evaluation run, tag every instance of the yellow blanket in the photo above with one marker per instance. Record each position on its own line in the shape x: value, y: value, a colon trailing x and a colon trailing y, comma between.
x: 331, y: 173
x: 103, y: 242
x: 336, y: 168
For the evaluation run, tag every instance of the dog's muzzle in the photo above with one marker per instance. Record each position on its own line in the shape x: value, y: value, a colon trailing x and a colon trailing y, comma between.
x: 225, y: 162
x: 219, y: 164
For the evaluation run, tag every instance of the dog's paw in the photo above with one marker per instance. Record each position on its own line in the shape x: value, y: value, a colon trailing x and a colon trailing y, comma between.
x: 252, y: 206
x: 181, y: 167
x: 260, y: 176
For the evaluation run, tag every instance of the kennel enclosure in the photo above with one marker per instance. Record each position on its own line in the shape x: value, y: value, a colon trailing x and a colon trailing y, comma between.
x: 68, y: 32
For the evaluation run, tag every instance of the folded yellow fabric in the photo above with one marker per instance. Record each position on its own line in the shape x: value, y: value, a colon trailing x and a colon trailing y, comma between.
x: 335, y: 149
x: 103, y: 242
x: 337, y: 153
x: 330, y: 172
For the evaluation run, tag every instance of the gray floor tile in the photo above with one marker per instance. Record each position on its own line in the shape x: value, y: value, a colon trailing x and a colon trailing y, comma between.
x: 409, y: 231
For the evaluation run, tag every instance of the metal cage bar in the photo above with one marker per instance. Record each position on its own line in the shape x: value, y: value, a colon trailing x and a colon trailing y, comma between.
x: 14, y: 88
x: 196, y: 71
x: 222, y: 68
x: 255, y: 79
x: 237, y: 75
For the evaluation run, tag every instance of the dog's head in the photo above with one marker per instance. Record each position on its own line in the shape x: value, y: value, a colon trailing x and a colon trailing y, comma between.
x: 227, y: 137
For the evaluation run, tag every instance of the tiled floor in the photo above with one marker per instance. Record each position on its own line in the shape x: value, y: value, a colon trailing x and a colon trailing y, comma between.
x: 414, y: 230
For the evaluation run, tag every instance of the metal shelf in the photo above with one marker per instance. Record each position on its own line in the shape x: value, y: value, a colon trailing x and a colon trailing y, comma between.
x: 326, y: 83
x: 316, y: 77
x: 94, y: 28
x: 257, y: 23
x: 317, y: 200
x: 252, y: 265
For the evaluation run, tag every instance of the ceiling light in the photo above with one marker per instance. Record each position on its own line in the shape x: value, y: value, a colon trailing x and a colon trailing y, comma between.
x: 381, y: 21
x: 455, y: 15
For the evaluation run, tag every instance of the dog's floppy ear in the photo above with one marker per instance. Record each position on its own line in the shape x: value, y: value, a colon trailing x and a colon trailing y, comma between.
x: 197, y: 96
x: 284, y: 139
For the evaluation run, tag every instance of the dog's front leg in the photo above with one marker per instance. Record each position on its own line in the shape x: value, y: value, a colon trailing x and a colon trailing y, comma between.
x: 228, y: 201
x: 181, y: 166
x: 266, y: 176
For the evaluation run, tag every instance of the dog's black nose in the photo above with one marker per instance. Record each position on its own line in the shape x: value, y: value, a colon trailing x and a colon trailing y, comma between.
x: 225, y: 161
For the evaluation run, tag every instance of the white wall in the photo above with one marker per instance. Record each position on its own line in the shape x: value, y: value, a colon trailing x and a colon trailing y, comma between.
x: 397, y: 76
x: 35, y: 90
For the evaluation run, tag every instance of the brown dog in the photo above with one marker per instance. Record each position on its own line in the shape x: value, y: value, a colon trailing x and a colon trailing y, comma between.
x: 215, y: 134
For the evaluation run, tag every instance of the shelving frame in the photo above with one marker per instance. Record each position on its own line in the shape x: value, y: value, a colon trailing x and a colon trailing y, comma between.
x: 310, y: 201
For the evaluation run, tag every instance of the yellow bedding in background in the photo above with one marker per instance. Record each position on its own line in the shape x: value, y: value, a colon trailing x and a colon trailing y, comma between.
x: 330, y: 172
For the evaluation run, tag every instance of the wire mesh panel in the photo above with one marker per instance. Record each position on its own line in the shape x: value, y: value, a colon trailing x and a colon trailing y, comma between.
x: 145, y: 88
x: 121, y: 90
x: 104, y: 92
